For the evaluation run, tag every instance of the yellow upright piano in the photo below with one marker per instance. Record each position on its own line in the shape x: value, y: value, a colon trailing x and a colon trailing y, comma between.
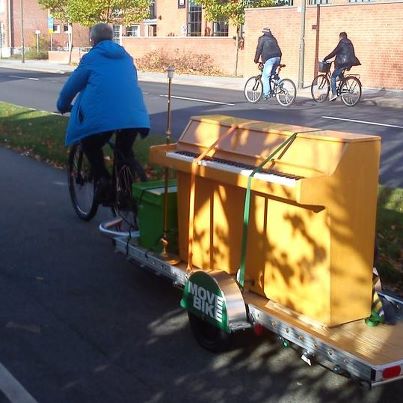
x: 310, y: 238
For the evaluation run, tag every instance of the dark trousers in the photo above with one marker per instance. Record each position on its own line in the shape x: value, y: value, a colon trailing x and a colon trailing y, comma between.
x: 92, y: 147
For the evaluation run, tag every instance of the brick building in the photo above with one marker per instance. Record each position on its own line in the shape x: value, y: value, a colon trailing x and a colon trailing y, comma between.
x: 375, y: 27
x: 37, y: 25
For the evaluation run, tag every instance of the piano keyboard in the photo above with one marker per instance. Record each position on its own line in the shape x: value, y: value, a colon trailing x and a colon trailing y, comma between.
x: 267, y: 175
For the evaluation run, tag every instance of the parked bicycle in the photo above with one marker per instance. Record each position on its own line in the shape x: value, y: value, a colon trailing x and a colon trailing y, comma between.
x: 82, y: 186
x: 349, y: 87
x: 283, y: 90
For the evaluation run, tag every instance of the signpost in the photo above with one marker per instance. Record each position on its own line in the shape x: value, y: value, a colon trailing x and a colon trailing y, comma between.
x: 51, y: 22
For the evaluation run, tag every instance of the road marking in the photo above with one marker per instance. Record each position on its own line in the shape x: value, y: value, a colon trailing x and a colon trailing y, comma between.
x: 205, y: 101
x: 14, y: 391
x: 362, y: 121
x: 26, y: 78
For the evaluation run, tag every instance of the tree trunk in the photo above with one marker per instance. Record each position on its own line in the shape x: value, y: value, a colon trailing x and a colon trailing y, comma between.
x: 237, y: 51
x: 70, y: 41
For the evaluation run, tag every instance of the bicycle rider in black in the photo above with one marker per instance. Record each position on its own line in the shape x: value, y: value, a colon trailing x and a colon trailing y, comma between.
x: 345, y: 59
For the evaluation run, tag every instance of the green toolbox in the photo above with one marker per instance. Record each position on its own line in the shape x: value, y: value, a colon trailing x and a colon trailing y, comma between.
x: 150, y: 200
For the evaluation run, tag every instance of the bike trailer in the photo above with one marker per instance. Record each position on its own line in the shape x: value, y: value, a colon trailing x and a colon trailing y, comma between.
x: 272, y: 226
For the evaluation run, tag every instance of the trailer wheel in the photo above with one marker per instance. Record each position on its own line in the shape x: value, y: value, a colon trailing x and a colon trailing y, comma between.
x: 208, y: 336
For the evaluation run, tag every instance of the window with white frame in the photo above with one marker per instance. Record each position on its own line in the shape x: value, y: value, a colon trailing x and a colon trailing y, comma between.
x: 194, y: 20
x: 220, y: 28
x: 313, y: 2
x: 133, y: 30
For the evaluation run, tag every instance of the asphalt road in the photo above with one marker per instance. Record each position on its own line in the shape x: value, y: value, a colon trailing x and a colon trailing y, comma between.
x: 40, y: 91
x: 79, y: 323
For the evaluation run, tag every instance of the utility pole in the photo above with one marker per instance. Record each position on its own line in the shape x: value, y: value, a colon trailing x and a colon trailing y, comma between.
x: 22, y: 32
x: 302, y: 46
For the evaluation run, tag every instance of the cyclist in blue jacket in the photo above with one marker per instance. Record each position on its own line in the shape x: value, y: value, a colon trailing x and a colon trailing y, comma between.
x: 109, y: 99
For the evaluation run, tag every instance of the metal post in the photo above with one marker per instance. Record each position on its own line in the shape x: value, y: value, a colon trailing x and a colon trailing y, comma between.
x: 164, y: 240
x: 317, y: 28
x: 1, y: 40
x: 22, y: 32
x: 302, y: 46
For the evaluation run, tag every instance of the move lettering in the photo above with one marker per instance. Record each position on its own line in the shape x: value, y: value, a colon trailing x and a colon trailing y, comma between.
x: 206, y: 301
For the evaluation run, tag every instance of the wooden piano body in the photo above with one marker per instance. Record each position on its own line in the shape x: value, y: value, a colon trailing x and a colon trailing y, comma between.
x: 310, y: 238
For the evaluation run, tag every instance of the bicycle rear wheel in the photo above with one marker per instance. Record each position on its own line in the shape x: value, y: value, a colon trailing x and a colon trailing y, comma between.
x: 253, y: 89
x: 320, y: 88
x: 124, y: 205
x: 81, y: 184
x: 286, y: 92
x: 350, y: 91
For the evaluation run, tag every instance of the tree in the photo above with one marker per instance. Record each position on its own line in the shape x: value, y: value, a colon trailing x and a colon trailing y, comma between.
x: 126, y: 12
x: 90, y: 12
x: 234, y: 12
x: 60, y: 10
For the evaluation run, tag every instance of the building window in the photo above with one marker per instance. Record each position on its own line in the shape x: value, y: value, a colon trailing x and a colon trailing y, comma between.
x: 56, y: 29
x: 152, y: 30
x: 220, y: 28
x: 133, y: 30
x: 194, y: 19
x: 65, y: 28
x: 251, y: 3
x: 153, y: 13
x: 117, y: 30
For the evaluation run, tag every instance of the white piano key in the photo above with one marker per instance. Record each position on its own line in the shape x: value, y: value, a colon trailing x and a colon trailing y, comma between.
x: 266, y: 177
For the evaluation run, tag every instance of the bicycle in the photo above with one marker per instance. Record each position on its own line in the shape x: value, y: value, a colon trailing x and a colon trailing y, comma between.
x: 349, y: 87
x: 284, y: 90
x: 81, y: 185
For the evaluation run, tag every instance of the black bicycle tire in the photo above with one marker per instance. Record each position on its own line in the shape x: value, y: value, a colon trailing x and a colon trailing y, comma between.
x: 321, y: 76
x: 260, y: 84
x: 344, y: 83
x: 278, y: 94
x: 138, y: 174
x: 83, y: 214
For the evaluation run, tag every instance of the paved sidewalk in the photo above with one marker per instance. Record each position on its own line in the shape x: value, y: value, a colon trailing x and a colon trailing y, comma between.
x: 376, y: 97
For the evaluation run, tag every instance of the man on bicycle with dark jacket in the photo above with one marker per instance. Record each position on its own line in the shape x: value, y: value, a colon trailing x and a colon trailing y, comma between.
x: 345, y: 59
x: 269, y: 52
x: 109, y: 100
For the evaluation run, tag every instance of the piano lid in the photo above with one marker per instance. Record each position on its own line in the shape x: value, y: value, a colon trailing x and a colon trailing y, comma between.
x: 313, y: 152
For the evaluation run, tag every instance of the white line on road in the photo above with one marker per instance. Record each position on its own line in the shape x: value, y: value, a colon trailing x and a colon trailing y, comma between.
x: 14, y: 391
x: 206, y: 101
x: 25, y: 78
x: 362, y: 121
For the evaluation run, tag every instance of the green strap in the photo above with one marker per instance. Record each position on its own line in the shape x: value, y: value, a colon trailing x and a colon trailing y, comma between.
x: 246, y: 210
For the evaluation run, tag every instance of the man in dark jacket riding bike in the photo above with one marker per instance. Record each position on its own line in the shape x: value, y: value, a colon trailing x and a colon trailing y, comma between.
x: 270, y: 54
x: 345, y: 59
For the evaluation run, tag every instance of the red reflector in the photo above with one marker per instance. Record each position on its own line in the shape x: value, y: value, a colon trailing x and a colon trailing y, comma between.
x: 259, y: 329
x: 391, y: 372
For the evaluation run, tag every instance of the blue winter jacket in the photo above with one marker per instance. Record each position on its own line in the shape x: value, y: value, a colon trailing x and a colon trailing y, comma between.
x: 109, y: 97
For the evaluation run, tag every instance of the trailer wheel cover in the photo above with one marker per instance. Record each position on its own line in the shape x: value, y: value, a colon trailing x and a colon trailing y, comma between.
x: 215, y: 297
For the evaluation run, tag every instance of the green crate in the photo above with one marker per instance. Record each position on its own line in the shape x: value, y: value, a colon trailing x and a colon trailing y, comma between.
x: 150, y: 200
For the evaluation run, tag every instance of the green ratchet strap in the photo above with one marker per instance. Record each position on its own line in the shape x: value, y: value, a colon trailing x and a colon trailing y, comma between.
x: 246, y: 211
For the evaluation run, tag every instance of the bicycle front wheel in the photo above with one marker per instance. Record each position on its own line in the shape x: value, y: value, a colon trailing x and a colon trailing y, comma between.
x: 81, y: 184
x: 286, y: 92
x: 350, y: 91
x: 320, y: 88
x: 253, y: 89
